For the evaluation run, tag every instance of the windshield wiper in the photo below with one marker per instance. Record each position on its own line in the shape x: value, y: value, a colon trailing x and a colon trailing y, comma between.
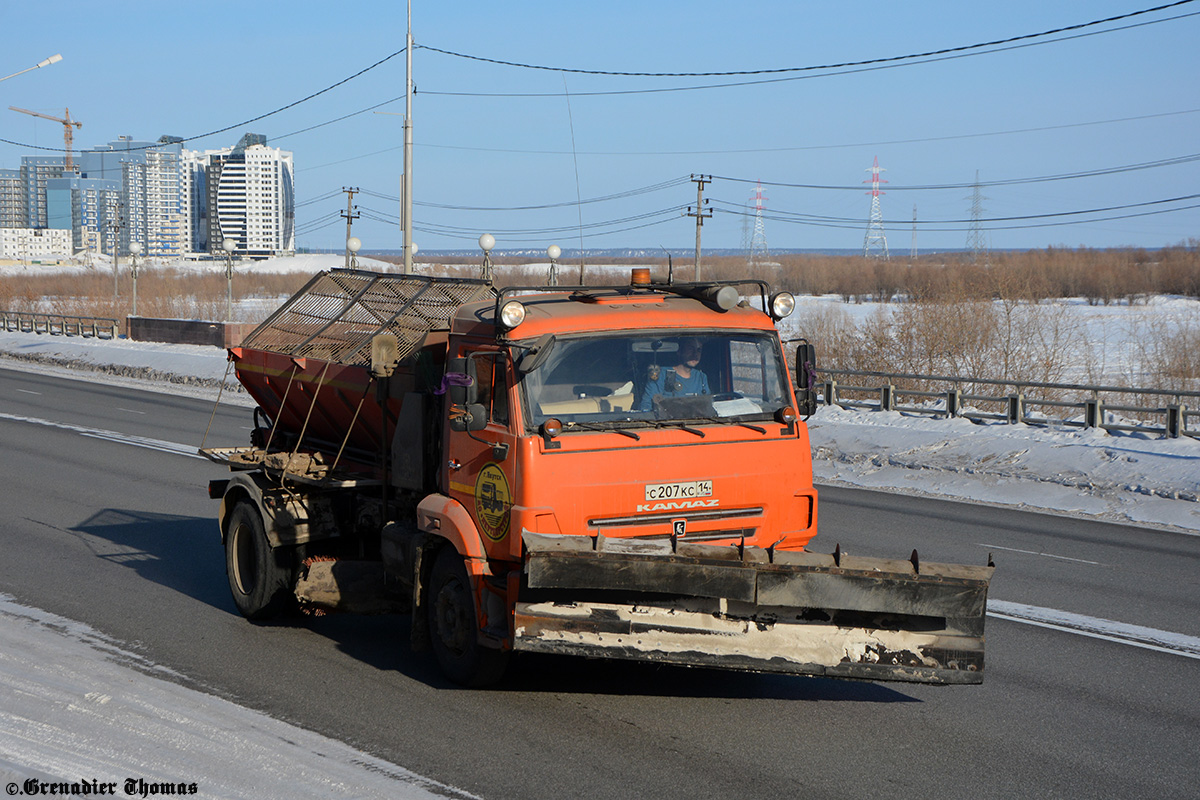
x: 754, y: 428
x: 592, y: 426
x: 681, y: 425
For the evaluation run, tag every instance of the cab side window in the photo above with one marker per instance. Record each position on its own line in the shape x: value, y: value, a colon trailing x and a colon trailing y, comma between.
x: 492, y: 380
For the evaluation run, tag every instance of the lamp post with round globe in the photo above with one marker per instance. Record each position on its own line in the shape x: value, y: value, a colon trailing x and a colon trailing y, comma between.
x: 135, y: 250
x: 353, y: 245
x: 229, y: 245
x: 486, y: 243
x: 553, y: 251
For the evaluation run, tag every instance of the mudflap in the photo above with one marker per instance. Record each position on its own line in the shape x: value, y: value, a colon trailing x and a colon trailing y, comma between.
x: 746, y: 608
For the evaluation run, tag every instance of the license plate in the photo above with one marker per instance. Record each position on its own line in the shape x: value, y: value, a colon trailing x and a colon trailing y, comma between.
x: 675, y: 491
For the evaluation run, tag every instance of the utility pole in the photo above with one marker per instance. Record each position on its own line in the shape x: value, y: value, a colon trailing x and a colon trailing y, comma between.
x: 406, y: 200
x: 350, y: 214
x: 700, y: 214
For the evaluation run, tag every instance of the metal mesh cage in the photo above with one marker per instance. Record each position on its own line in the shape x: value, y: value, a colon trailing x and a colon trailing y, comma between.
x: 337, y: 313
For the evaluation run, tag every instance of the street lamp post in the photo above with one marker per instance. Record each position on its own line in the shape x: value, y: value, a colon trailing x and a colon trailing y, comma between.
x: 553, y: 251
x: 486, y: 243
x: 353, y: 245
x: 229, y: 245
x: 54, y: 59
x: 135, y: 250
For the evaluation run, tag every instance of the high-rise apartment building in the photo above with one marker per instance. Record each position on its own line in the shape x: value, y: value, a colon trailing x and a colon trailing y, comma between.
x: 89, y: 208
x: 12, y: 199
x: 152, y: 204
x: 170, y: 200
x: 244, y: 193
x: 36, y: 171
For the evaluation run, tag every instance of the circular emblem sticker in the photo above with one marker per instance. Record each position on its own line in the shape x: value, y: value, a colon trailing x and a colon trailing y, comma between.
x: 492, y: 502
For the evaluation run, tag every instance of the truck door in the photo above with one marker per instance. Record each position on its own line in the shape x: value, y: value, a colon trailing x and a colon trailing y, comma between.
x: 481, y: 464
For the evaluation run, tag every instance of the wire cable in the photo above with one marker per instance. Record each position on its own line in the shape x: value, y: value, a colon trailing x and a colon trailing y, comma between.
x: 799, y: 217
x: 1092, y: 173
x: 227, y: 128
x: 565, y: 204
x: 814, y: 68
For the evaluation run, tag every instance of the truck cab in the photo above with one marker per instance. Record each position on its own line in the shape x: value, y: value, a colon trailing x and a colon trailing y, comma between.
x: 585, y: 434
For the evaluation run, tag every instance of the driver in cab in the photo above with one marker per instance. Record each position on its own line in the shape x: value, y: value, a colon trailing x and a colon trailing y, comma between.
x: 685, y: 378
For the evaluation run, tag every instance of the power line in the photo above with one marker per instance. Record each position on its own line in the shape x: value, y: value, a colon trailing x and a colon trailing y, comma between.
x: 808, y: 76
x: 228, y: 128
x: 850, y: 222
x: 815, y: 68
x: 564, y: 204
x: 1091, y: 173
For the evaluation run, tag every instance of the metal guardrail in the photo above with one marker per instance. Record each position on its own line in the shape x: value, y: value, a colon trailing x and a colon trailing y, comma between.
x: 59, y: 324
x: 1167, y: 417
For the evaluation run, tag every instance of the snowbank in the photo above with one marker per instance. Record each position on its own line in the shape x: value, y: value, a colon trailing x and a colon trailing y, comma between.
x: 80, y: 708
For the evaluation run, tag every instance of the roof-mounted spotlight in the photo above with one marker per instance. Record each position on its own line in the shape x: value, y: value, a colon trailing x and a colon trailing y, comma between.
x: 512, y: 314
x: 782, y: 305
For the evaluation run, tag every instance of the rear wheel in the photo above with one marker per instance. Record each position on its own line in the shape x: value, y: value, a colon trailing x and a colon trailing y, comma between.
x: 258, y: 577
x: 454, y: 625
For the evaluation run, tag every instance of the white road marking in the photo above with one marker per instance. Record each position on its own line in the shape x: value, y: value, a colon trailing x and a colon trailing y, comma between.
x: 1123, y: 633
x: 112, y: 436
x: 26, y: 391
x: 131, y: 411
x: 1038, y: 553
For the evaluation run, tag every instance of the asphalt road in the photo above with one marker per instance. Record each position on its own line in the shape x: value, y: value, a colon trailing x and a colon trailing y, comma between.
x: 107, y: 522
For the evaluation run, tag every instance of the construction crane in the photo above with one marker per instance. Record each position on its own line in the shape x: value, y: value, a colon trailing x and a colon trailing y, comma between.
x: 68, y: 134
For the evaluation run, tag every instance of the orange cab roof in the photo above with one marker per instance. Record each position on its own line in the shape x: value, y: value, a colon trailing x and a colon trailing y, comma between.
x: 607, y: 310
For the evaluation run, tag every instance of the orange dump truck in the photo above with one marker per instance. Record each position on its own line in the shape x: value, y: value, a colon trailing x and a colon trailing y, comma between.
x: 601, y: 471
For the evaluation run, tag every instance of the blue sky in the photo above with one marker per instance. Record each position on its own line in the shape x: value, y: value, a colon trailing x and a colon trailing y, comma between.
x: 494, y: 141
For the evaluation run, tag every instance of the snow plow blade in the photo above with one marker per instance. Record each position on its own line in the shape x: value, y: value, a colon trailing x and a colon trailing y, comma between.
x: 749, y: 609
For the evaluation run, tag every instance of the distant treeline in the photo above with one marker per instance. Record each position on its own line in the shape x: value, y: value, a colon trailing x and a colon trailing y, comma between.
x: 1101, y: 276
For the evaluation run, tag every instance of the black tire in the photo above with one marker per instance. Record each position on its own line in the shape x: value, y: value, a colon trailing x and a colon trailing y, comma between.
x: 454, y: 625
x: 258, y: 577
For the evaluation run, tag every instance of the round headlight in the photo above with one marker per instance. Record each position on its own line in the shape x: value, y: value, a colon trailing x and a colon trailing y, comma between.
x: 551, y: 428
x: 785, y: 415
x: 512, y: 314
x: 782, y: 305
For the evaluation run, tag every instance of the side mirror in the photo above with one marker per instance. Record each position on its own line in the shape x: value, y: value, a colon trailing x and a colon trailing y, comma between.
x: 463, y: 392
x: 473, y: 418
x: 806, y: 378
x: 535, y: 356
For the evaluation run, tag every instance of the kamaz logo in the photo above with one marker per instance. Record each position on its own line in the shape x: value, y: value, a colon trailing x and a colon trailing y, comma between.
x: 672, y: 505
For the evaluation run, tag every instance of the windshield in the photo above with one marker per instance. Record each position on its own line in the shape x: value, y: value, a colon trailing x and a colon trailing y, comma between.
x: 638, y: 379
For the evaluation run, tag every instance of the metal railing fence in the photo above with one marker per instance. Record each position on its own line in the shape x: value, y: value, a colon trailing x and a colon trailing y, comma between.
x: 59, y: 324
x: 1110, y: 408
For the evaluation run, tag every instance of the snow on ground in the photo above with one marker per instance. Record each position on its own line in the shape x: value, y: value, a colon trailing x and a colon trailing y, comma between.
x: 78, y: 707
x: 302, y: 262
x: 1132, y: 478
x: 1104, y: 343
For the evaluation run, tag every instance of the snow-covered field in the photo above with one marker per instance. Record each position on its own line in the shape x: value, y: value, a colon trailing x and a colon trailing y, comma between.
x: 77, y: 704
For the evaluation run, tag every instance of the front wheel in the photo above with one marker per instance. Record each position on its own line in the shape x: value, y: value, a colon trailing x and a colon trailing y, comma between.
x: 454, y: 625
x: 260, y: 583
